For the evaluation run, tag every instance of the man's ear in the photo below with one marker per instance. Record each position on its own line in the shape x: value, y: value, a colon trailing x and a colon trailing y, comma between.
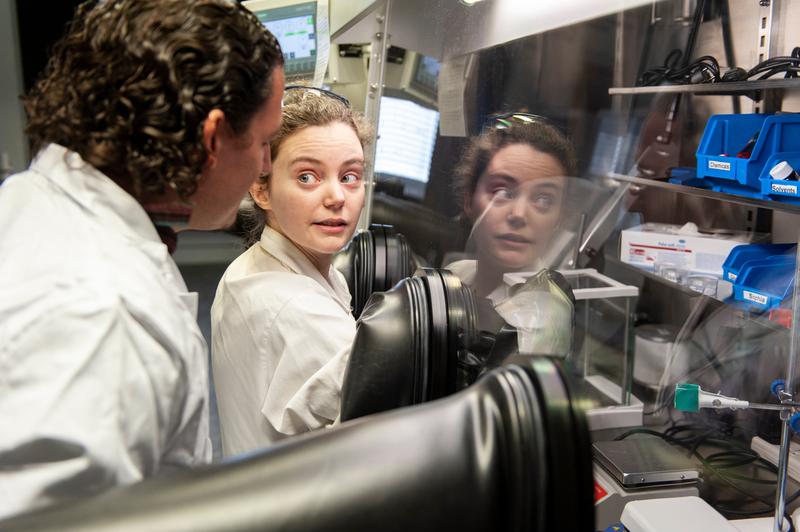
x: 212, y: 135
x: 260, y: 193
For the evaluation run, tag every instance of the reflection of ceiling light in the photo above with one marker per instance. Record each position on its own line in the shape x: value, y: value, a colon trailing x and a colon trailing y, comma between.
x: 470, y: 2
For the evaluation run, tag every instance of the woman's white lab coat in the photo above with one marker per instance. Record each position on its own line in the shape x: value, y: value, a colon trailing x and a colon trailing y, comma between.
x: 103, y: 370
x: 281, y: 337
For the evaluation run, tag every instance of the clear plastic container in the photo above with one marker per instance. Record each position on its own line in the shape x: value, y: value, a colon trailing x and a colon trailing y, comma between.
x: 603, y: 345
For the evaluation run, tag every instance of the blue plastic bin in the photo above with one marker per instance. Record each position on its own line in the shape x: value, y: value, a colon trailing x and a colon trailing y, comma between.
x: 784, y: 190
x: 764, y: 283
x: 747, y: 252
x: 727, y: 135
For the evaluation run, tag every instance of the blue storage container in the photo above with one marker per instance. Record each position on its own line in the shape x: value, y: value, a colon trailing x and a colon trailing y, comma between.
x: 727, y: 135
x: 764, y: 283
x: 781, y: 189
x: 747, y: 252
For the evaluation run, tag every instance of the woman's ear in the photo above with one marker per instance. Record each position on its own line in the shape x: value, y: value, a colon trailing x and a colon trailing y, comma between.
x: 468, y: 210
x: 212, y: 136
x: 260, y: 193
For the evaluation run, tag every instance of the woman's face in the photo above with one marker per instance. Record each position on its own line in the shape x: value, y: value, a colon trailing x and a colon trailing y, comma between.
x: 516, y: 206
x: 316, y: 190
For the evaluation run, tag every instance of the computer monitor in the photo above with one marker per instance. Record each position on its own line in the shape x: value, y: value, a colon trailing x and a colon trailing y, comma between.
x: 406, y: 138
x: 426, y: 76
x: 294, y: 25
x: 415, y: 75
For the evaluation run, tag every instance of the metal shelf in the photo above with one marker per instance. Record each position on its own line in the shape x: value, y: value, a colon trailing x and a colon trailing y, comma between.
x: 733, y: 87
x: 702, y: 193
x: 679, y: 291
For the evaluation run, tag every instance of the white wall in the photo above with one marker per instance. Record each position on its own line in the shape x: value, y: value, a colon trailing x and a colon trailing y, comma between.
x: 12, y: 117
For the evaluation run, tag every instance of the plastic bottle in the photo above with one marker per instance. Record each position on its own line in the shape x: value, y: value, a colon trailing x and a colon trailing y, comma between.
x: 745, y: 152
x: 783, y: 171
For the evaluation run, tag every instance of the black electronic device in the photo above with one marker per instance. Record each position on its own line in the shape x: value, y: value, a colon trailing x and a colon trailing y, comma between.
x: 413, y: 344
x: 407, y: 135
x: 424, y: 339
x: 294, y: 24
x: 374, y: 261
x: 425, y: 78
x: 640, y: 462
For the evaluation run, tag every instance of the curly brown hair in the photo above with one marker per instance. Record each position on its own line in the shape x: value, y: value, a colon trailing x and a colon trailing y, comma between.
x: 130, y: 84
x: 540, y: 136
x: 301, y: 109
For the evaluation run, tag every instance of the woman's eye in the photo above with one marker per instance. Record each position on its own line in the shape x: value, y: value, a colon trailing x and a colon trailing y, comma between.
x: 543, y: 201
x: 503, y: 194
x: 349, y: 179
x: 306, y: 178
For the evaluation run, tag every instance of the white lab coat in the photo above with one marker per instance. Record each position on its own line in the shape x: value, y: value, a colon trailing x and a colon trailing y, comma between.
x: 103, y: 370
x: 467, y: 269
x: 280, y: 339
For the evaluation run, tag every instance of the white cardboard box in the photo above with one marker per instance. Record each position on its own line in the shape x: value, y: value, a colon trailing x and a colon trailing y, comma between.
x: 647, y: 245
x: 684, y: 514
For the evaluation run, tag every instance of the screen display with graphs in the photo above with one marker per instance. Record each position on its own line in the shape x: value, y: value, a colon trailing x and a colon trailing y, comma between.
x: 295, y: 28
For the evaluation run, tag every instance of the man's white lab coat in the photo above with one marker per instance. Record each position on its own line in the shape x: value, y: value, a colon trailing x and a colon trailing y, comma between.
x: 103, y: 370
x: 280, y: 340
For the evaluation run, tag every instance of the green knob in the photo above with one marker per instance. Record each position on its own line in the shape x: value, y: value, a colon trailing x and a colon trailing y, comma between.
x: 687, y: 397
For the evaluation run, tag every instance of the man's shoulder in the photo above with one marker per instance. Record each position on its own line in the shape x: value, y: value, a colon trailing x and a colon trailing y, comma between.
x: 83, y: 272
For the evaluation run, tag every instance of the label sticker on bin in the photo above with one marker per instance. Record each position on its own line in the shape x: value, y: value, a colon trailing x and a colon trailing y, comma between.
x: 755, y: 298
x: 718, y: 165
x: 779, y: 187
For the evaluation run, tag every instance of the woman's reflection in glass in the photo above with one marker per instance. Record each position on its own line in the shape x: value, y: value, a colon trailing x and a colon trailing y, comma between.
x: 512, y: 180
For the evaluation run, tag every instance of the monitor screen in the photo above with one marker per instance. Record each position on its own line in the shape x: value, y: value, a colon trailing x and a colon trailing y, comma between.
x: 295, y: 28
x: 426, y: 75
x: 406, y: 137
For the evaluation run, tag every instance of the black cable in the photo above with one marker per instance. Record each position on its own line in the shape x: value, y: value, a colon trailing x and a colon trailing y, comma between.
x: 744, y: 513
x: 727, y: 43
x: 775, y: 65
x: 706, y: 69
x: 656, y: 411
x: 716, y: 464
x: 697, y: 19
x: 795, y: 54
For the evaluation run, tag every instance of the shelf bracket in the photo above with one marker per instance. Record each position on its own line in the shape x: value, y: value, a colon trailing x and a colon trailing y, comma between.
x: 766, y: 47
x: 379, y: 47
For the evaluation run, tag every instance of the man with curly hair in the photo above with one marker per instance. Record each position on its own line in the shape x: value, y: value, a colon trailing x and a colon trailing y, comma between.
x: 145, y: 105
